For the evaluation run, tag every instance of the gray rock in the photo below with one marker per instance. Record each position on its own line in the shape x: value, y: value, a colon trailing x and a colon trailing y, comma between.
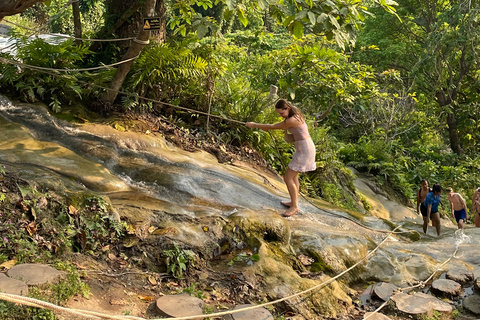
x: 438, y: 305
x: 384, y: 290
x: 472, y: 304
x: 412, y: 305
x: 180, y: 305
x: 12, y: 286
x: 257, y: 313
x: 446, y: 287
x: 460, y: 274
x: 376, y: 316
x: 420, y: 304
x: 476, y: 285
x: 35, y: 274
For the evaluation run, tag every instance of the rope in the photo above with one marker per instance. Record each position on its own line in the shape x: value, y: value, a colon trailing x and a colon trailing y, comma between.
x: 66, y: 70
x: 122, y: 92
x: 141, y: 41
x: 67, y: 36
x: 420, y: 284
x: 50, y: 20
x: 96, y: 315
x: 327, y: 211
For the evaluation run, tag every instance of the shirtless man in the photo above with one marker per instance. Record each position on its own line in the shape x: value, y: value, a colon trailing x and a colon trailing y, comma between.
x: 476, y: 207
x: 458, y: 207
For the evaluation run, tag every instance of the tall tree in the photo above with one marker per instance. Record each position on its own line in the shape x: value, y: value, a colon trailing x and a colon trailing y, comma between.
x: 434, y: 46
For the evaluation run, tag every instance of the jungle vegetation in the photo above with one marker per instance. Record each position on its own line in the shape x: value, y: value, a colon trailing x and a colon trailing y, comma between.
x: 390, y: 88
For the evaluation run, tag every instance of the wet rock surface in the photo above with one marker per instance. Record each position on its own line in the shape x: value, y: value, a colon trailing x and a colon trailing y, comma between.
x: 257, y: 313
x: 460, y: 274
x: 420, y: 304
x: 384, y: 290
x: 447, y: 287
x: 472, y: 304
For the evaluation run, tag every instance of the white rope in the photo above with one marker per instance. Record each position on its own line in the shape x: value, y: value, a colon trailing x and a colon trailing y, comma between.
x: 20, y: 64
x: 420, y: 284
x: 96, y: 315
x: 70, y: 37
x: 141, y: 41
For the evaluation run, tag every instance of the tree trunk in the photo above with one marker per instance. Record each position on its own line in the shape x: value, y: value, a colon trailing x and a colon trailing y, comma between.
x: 453, y: 133
x: 77, y: 22
x: 123, y: 18
x: 445, y: 102
x: 160, y: 35
x: 133, y: 51
x: 11, y: 7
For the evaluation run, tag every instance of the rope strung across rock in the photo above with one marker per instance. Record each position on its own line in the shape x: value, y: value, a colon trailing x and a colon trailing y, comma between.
x: 332, y: 213
x: 96, y: 315
x: 67, y: 36
x: 420, y: 284
x: 119, y: 91
x: 43, y: 70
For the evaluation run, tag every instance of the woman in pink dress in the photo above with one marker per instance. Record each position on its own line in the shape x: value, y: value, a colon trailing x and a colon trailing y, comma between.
x: 303, y: 159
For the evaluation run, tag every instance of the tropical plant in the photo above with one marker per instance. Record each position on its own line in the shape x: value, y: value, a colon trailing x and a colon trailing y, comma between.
x: 32, y: 84
x: 177, y: 260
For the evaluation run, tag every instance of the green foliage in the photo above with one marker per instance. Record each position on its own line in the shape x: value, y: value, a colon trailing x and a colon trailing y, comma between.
x: 12, y: 311
x: 92, y: 227
x: 31, y: 85
x: 167, y: 73
x: 71, y: 286
x: 177, y: 260
x: 193, y: 291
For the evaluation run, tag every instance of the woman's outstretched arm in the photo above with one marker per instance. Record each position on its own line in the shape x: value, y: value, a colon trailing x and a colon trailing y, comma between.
x: 285, y: 124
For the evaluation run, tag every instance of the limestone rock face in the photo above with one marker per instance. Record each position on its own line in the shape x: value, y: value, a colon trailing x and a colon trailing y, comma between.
x: 12, y: 286
x: 180, y: 305
x: 35, y: 274
x: 472, y: 304
x: 257, y: 313
x: 384, y: 290
x: 460, y: 274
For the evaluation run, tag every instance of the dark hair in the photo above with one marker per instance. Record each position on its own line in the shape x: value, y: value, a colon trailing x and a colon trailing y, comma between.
x: 294, y: 111
x: 437, y: 188
x: 423, y: 180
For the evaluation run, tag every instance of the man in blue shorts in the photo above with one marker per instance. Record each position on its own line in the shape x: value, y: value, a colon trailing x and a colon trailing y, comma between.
x: 432, y: 201
x: 458, y: 207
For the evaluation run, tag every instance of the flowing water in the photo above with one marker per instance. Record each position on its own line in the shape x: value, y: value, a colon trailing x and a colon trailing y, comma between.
x: 145, y: 176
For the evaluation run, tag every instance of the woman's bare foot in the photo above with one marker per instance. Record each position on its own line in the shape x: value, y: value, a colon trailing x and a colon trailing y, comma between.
x: 290, y: 212
x: 286, y: 203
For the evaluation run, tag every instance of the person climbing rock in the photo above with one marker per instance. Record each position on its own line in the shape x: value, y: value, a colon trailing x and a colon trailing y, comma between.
x: 432, y: 201
x: 421, y: 194
x: 458, y: 206
x: 476, y: 207
x: 303, y: 159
